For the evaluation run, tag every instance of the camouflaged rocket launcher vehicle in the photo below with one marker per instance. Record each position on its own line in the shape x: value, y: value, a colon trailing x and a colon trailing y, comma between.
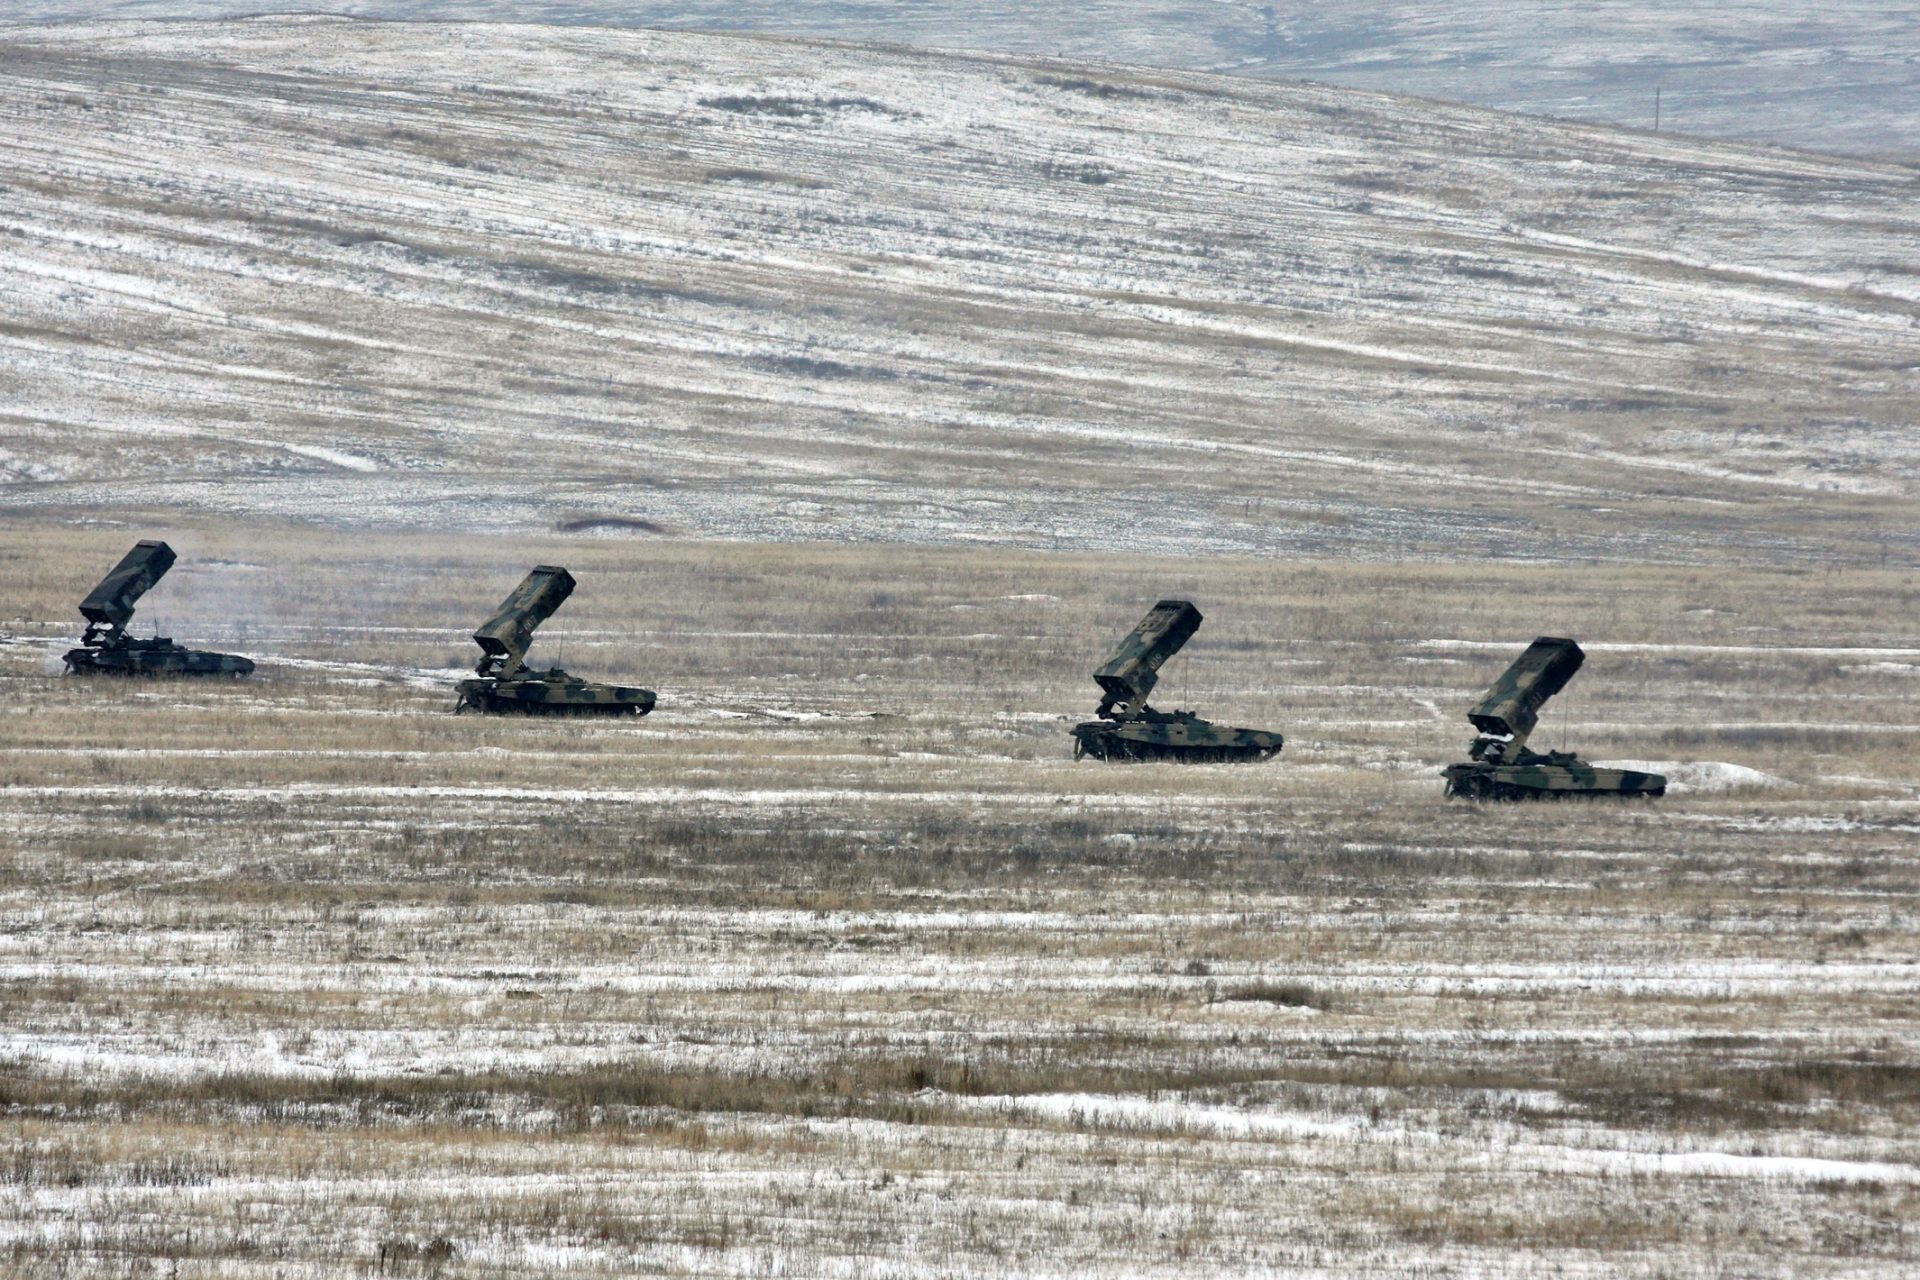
x: 1504, y: 768
x: 505, y: 681
x: 1129, y: 729
x: 107, y: 650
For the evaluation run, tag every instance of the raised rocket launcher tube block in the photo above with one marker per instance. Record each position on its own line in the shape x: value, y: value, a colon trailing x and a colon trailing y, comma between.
x: 505, y: 637
x: 1134, y: 669
x: 109, y: 607
x: 1511, y: 708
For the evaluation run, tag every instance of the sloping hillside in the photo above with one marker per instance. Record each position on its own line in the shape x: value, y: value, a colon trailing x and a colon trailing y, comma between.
x: 510, y: 277
x: 1843, y: 75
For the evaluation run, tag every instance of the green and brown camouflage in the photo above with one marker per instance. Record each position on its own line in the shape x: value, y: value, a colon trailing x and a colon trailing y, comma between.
x: 505, y: 637
x: 1511, y: 708
x: 1130, y: 730
x: 107, y: 650
x: 1504, y: 768
x: 1130, y: 674
x: 1549, y: 776
x: 504, y: 682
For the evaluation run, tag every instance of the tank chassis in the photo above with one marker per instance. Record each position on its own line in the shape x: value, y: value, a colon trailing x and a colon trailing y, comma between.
x: 1503, y: 767
x: 107, y: 650
x: 504, y: 683
x: 1129, y: 730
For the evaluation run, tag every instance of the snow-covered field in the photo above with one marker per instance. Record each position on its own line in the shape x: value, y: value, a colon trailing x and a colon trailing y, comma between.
x: 505, y: 277
x: 839, y: 965
x: 1841, y: 75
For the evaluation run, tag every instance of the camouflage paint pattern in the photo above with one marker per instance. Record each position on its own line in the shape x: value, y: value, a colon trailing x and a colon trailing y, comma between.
x: 156, y: 656
x: 109, y: 607
x: 508, y: 634
x: 552, y: 692
x: 1130, y: 674
x: 107, y: 650
x: 1130, y: 730
x: 1512, y: 705
x: 505, y: 684
x: 1550, y: 776
x: 1504, y: 768
x: 1179, y: 736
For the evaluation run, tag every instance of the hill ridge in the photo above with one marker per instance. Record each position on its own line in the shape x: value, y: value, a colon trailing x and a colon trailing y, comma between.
x: 738, y: 287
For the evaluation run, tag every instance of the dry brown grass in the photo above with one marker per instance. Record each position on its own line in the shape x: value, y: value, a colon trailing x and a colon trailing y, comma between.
x: 304, y: 967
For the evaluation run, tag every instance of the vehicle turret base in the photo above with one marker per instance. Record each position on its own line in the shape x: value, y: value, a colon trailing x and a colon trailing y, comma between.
x: 1190, y: 742
x: 548, y: 696
x: 155, y: 659
x: 1550, y: 782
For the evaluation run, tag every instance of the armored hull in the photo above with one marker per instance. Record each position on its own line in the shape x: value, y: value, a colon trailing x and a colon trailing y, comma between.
x: 1180, y: 739
x: 553, y: 694
x: 155, y: 657
x: 1560, y: 776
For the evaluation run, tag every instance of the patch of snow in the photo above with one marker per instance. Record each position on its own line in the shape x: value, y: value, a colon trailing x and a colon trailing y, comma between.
x: 334, y: 457
x: 1684, y: 776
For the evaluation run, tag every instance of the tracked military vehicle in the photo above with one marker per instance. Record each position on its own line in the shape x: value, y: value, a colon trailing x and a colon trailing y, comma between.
x: 505, y: 683
x: 107, y: 650
x: 1129, y: 729
x: 1504, y: 768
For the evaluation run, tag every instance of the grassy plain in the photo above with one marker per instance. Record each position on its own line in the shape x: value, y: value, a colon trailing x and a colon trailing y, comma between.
x: 838, y: 964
